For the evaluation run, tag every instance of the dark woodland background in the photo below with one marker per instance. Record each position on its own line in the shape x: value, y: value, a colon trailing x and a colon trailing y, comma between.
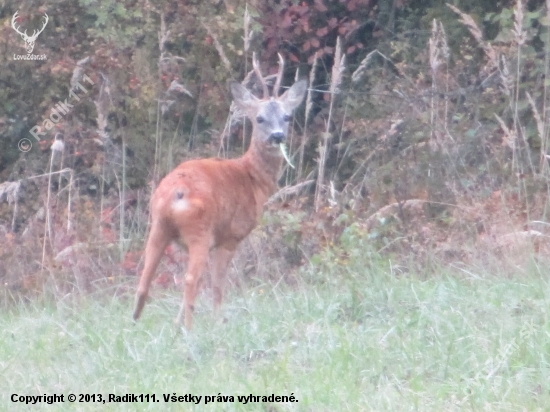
x: 424, y: 136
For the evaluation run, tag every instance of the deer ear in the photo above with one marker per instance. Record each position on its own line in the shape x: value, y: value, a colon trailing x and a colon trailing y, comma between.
x: 243, y: 98
x: 294, y: 96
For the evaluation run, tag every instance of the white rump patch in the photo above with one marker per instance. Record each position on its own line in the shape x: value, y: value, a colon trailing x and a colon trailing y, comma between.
x: 180, y: 205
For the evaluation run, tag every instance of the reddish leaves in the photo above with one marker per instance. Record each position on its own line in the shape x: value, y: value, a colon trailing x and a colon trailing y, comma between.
x: 311, y: 27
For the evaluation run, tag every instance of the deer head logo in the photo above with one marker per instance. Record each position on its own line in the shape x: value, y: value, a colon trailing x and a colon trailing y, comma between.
x: 29, y: 40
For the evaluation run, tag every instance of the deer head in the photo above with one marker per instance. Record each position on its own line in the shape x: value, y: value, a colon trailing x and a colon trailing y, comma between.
x: 270, y: 115
x: 29, y: 40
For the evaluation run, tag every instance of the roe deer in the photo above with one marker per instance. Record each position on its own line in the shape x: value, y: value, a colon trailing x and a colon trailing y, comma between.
x: 213, y: 204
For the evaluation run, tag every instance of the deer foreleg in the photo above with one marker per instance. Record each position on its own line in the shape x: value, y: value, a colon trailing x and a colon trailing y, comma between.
x: 222, y: 257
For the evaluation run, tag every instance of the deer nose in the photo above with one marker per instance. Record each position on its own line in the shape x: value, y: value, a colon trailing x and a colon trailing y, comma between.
x: 277, y: 137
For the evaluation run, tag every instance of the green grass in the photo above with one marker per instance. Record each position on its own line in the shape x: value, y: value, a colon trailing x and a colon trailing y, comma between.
x: 346, y: 338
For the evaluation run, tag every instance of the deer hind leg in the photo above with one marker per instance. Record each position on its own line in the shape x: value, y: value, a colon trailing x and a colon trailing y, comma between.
x: 198, y: 256
x: 156, y: 243
x: 222, y: 257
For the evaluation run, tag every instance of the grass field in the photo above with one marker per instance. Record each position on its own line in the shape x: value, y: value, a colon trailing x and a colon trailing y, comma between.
x: 349, y: 337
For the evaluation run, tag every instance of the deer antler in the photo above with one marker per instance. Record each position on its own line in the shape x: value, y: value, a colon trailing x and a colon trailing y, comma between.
x: 35, y: 32
x: 279, y: 76
x: 256, y: 67
x: 15, y: 16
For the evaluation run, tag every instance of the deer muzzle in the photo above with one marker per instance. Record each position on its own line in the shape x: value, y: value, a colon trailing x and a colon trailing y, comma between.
x: 276, y: 138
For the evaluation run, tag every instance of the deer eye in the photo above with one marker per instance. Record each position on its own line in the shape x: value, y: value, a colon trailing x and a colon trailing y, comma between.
x: 260, y: 119
x: 286, y: 118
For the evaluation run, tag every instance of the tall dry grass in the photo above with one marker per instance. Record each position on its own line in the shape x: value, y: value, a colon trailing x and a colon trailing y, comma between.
x: 334, y: 89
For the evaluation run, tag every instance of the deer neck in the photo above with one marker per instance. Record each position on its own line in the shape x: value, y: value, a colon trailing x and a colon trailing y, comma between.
x: 264, y: 166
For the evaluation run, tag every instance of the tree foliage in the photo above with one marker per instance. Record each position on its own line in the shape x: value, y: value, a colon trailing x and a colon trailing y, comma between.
x: 443, y: 106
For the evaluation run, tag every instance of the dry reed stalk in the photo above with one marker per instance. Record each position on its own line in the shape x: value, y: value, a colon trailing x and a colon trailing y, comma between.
x: 518, y: 31
x: 510, y: 139
x: 446, y: 51
x: 246, y: 44
x: 476, y: 32
x: 365, y: 63
x: 78, y: 72
x: 219, y: 48
x: 505, y: 77
x: 545, y: 138
x: 231, y: 118
x: 122, y: 194
x: 10, y: 190
x: 434, y: 64
x: 510, y: 136
x: 435, y: 49
x: 362, y: 69
x: 69, y: 202
x: 102, y: 105
x: 309, y: 107
x: 439, y: 56
x: 540, y: 129
x: 57, y: 146
x: 520, y: 36
x: 337, y: 68
x: 163, y: 36
x: 247, y: 32
x: 291, y: 140
x: 335, y: 81
x: 507, y: 80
